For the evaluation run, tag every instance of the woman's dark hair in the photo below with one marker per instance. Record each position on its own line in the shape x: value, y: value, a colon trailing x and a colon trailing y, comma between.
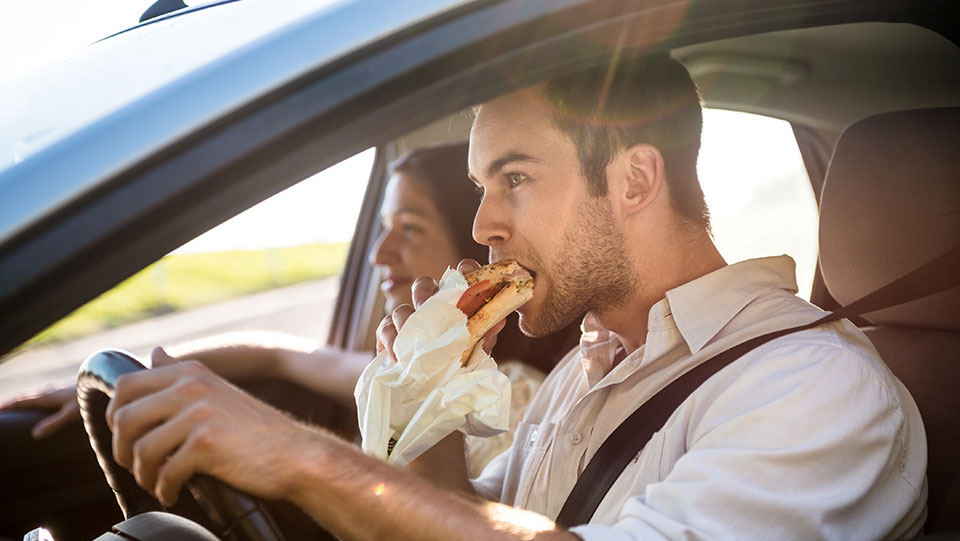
x: 442, y: 170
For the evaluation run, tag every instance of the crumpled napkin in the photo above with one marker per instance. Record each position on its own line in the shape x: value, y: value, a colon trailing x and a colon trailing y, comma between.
x: 426, y: 394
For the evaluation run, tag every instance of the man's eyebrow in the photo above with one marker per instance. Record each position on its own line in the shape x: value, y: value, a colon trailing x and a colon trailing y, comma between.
x: 508, y: 158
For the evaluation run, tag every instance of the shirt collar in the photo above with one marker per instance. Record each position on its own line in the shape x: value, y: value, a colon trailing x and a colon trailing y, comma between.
x: 698, y: 310
x: 705, y: 305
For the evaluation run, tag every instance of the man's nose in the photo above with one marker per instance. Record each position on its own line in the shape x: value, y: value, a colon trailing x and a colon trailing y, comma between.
x: 491, y: 226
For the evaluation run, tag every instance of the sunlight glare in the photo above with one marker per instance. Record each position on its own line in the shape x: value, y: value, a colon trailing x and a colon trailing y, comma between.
x: 520, y: 522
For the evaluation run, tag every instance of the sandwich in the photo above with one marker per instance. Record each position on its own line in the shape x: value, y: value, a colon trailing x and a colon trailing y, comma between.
x: 493, y: 292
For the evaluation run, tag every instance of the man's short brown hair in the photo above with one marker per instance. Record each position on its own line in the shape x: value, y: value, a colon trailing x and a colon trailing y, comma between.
x: 648, y: 100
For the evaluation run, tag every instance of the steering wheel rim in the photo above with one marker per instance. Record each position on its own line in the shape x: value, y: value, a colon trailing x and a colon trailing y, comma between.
x: 237, y: 516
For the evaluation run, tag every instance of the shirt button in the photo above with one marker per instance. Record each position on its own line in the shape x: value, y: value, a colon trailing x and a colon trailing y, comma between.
x: 574, y: 437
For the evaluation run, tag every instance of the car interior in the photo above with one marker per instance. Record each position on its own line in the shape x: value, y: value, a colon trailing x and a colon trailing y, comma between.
x: 865, y: 209
x: 875, y: 108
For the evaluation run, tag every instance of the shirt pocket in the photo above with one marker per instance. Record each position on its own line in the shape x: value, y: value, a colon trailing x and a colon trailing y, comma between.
x: 529, y: 446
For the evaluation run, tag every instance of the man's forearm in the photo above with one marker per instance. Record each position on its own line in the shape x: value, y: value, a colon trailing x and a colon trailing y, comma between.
x: 361, y: 498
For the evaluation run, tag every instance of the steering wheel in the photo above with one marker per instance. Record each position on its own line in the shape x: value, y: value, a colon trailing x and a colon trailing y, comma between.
x: 236, y: 515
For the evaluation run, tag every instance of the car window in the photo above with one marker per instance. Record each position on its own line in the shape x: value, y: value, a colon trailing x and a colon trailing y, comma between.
x: 758, y: 192
x: 273, y: 267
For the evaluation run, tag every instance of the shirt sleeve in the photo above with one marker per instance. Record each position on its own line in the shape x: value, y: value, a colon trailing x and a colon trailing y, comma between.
x: 803, y: 443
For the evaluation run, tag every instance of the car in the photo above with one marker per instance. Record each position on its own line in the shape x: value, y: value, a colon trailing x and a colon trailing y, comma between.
x: 186, y: 119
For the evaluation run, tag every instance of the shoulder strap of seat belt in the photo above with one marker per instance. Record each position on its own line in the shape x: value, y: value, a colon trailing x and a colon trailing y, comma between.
x: 633, y: 433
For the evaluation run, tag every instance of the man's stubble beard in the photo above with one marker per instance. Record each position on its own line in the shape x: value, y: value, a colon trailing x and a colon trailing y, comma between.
x: 590, y: 273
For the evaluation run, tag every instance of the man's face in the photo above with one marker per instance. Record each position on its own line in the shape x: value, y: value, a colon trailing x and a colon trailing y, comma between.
x: 536, y: 209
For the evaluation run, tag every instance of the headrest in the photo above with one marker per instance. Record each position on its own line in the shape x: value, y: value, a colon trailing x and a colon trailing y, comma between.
x: 890, y: 203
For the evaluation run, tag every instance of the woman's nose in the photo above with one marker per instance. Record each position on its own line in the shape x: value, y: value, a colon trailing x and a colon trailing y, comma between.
x: 383, y: 250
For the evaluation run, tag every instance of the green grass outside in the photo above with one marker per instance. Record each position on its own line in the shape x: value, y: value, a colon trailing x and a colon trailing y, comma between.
x: 179, y: 282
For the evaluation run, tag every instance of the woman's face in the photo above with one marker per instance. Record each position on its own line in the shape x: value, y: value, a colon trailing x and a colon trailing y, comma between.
x: 415, y: 240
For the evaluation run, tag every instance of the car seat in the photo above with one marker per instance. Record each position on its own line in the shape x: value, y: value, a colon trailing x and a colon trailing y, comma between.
x: 891, y: 202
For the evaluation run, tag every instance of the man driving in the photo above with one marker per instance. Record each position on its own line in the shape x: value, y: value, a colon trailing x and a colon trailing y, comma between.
x: 589, y: 181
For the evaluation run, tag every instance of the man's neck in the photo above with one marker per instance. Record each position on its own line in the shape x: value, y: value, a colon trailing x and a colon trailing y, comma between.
x: 695, y: 257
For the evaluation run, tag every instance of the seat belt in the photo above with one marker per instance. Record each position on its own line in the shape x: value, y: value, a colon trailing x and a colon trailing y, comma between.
x: 636, y: 430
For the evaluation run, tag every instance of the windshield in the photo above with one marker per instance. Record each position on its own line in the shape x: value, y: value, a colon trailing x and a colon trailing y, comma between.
x: 41, y: 107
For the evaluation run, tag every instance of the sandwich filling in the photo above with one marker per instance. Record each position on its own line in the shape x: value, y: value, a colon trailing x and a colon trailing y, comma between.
x: 479, y: 294
x: 493, y: 292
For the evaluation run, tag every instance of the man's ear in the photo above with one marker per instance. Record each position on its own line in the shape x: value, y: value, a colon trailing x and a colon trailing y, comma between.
x: 640, y: 169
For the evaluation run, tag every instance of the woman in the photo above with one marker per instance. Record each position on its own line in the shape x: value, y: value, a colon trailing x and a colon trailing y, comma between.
x: 427, y: 216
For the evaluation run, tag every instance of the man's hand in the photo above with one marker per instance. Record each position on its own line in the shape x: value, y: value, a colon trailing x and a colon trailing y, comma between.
x: 174, y: 421
x: 444, y: 464
x: 424, y: 288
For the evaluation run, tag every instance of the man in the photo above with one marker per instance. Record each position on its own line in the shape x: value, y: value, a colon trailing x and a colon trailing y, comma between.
x: 590, y: 181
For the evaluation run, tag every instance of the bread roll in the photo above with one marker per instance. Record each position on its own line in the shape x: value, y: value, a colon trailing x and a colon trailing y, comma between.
x: 516, y: 289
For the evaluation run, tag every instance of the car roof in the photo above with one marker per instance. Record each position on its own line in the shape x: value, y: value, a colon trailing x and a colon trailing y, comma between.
x: 831, y: 76
x: 804, y: 76
x: 207, y: 63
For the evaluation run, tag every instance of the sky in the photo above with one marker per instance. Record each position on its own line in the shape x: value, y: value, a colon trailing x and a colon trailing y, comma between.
x: 750, y: 168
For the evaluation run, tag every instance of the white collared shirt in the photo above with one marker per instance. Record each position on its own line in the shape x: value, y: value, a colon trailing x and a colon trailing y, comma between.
x: 806, y: 437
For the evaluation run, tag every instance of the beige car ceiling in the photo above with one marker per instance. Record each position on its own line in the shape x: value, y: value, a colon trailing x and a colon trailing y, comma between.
x: 825, y: 78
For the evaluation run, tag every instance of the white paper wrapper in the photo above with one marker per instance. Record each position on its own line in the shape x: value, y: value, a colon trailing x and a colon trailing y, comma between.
x: 427, y: 395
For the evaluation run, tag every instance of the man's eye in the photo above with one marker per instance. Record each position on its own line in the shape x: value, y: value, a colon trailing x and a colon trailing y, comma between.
x: 478, y: 189
x: 516, y: 179
x: 411, y: 229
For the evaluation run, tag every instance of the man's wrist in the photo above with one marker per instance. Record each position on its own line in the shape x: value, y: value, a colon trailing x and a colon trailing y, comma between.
x: 324, y: 466
x: 305, y: 465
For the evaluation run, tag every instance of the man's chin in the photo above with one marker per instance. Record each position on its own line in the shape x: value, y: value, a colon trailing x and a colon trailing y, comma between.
x: 542, y: 317
x: 532, y: 323
x: 531, y: 315
x: 526, y: 328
